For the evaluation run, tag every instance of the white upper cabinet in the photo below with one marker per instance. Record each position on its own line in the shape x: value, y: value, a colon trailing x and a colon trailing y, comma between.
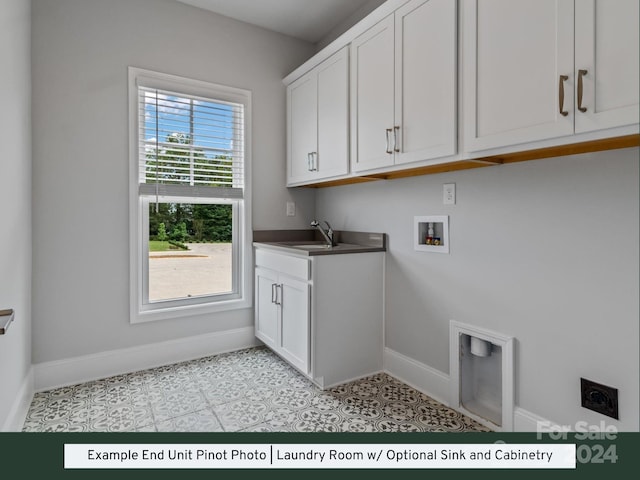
x: 382, y: 101
x: 517, y: 71
x: 403, y: 90
x: 541, y: 69
x: 606, y: 65
x: 372, y: 85
x: 426, y: 80
x: 318, y: 122
x: 332, y: 158
x: 302, y: 126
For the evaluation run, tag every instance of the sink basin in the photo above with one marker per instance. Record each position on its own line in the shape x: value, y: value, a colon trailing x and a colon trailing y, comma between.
x: 320, y: 246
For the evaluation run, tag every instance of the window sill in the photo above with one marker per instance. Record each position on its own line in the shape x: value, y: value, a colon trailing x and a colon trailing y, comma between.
x: 189, y: 310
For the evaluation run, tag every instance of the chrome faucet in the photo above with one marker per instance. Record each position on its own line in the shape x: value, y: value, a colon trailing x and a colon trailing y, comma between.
x: 328, y: 234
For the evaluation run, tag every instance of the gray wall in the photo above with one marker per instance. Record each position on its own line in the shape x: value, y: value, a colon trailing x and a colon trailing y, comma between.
x: 81, y: 50
x: 546, y: 251
x: 15, y: 199
x: 349, y: 22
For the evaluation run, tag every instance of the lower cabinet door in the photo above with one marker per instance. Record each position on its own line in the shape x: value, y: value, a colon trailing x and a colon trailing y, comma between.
x: 266, y: 310
x: 294, y: 304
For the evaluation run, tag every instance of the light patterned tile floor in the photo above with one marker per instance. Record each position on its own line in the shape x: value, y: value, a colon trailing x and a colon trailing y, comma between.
x: 251, y: 390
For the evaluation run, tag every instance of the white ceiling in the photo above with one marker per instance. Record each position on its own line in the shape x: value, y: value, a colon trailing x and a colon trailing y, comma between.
x: 309, y: 20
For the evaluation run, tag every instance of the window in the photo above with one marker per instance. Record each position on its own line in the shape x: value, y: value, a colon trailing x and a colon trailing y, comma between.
x: 190, y: 219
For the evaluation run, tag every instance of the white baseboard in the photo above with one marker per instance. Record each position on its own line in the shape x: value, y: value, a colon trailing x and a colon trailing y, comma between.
x: 20, y: 407
x: 422, y: 377
x: 524, y: 421
x: 72, y: 371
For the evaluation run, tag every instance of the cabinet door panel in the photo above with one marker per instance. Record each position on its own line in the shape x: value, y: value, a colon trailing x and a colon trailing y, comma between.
x: 514, y: 55
x: 295, y: 322
x: 302, y: 126
x: 333, y: 116
x: 372, y: 77
x: 426, y: 78
x: 607, y: 47
x: 266, y: 311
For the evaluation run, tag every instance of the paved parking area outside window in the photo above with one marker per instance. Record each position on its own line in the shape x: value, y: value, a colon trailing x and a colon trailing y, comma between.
x: 204, y: 269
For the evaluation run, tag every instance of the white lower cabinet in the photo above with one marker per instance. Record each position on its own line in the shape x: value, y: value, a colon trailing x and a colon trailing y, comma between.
x: 282, y: 316
x: 267, y: 322
x: 322, y: 314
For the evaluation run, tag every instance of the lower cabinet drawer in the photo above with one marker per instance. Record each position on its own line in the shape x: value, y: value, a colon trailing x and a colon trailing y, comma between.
x: 287, y: 264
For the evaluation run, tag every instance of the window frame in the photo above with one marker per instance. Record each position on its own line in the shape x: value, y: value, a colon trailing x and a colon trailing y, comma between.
x: 141, y: 310
x: 148, y: 305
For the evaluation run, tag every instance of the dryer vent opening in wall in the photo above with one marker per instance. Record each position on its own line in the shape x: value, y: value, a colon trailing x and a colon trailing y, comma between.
x: 481, y: 378
x: 482, y: 375
x: 481, y: 348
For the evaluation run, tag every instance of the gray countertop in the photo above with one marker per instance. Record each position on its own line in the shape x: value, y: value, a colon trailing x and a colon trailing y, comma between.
x: 307, y: 243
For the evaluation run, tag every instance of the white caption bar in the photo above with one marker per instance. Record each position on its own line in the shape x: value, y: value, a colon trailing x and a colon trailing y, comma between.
x: 302, y: 456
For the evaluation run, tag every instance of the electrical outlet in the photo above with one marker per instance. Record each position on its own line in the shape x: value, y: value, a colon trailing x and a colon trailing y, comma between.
x: 599, y: 398
x: 291, y: 209
x: 449, y: 194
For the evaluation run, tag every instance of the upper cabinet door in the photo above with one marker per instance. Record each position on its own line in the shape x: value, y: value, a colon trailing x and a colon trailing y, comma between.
x: 318, y: 122
x: 372, y: 97
x: 606, y: 64
x: 426, y: 80
x: 302, y: 127
x: 332, y: 157
x: 517, y: 71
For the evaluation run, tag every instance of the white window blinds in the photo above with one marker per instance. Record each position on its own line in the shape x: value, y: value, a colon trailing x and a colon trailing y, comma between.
x: 189, y: 146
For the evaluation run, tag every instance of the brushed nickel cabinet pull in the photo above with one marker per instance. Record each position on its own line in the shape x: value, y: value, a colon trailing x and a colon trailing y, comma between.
x: 388, y: 150
x: 563, y: 78
x: 6, y: 317
x: 274, y: 293
x: 309, y: 162
x: 581, y: 74
x: 314, y: 161
x: 396, y: 148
